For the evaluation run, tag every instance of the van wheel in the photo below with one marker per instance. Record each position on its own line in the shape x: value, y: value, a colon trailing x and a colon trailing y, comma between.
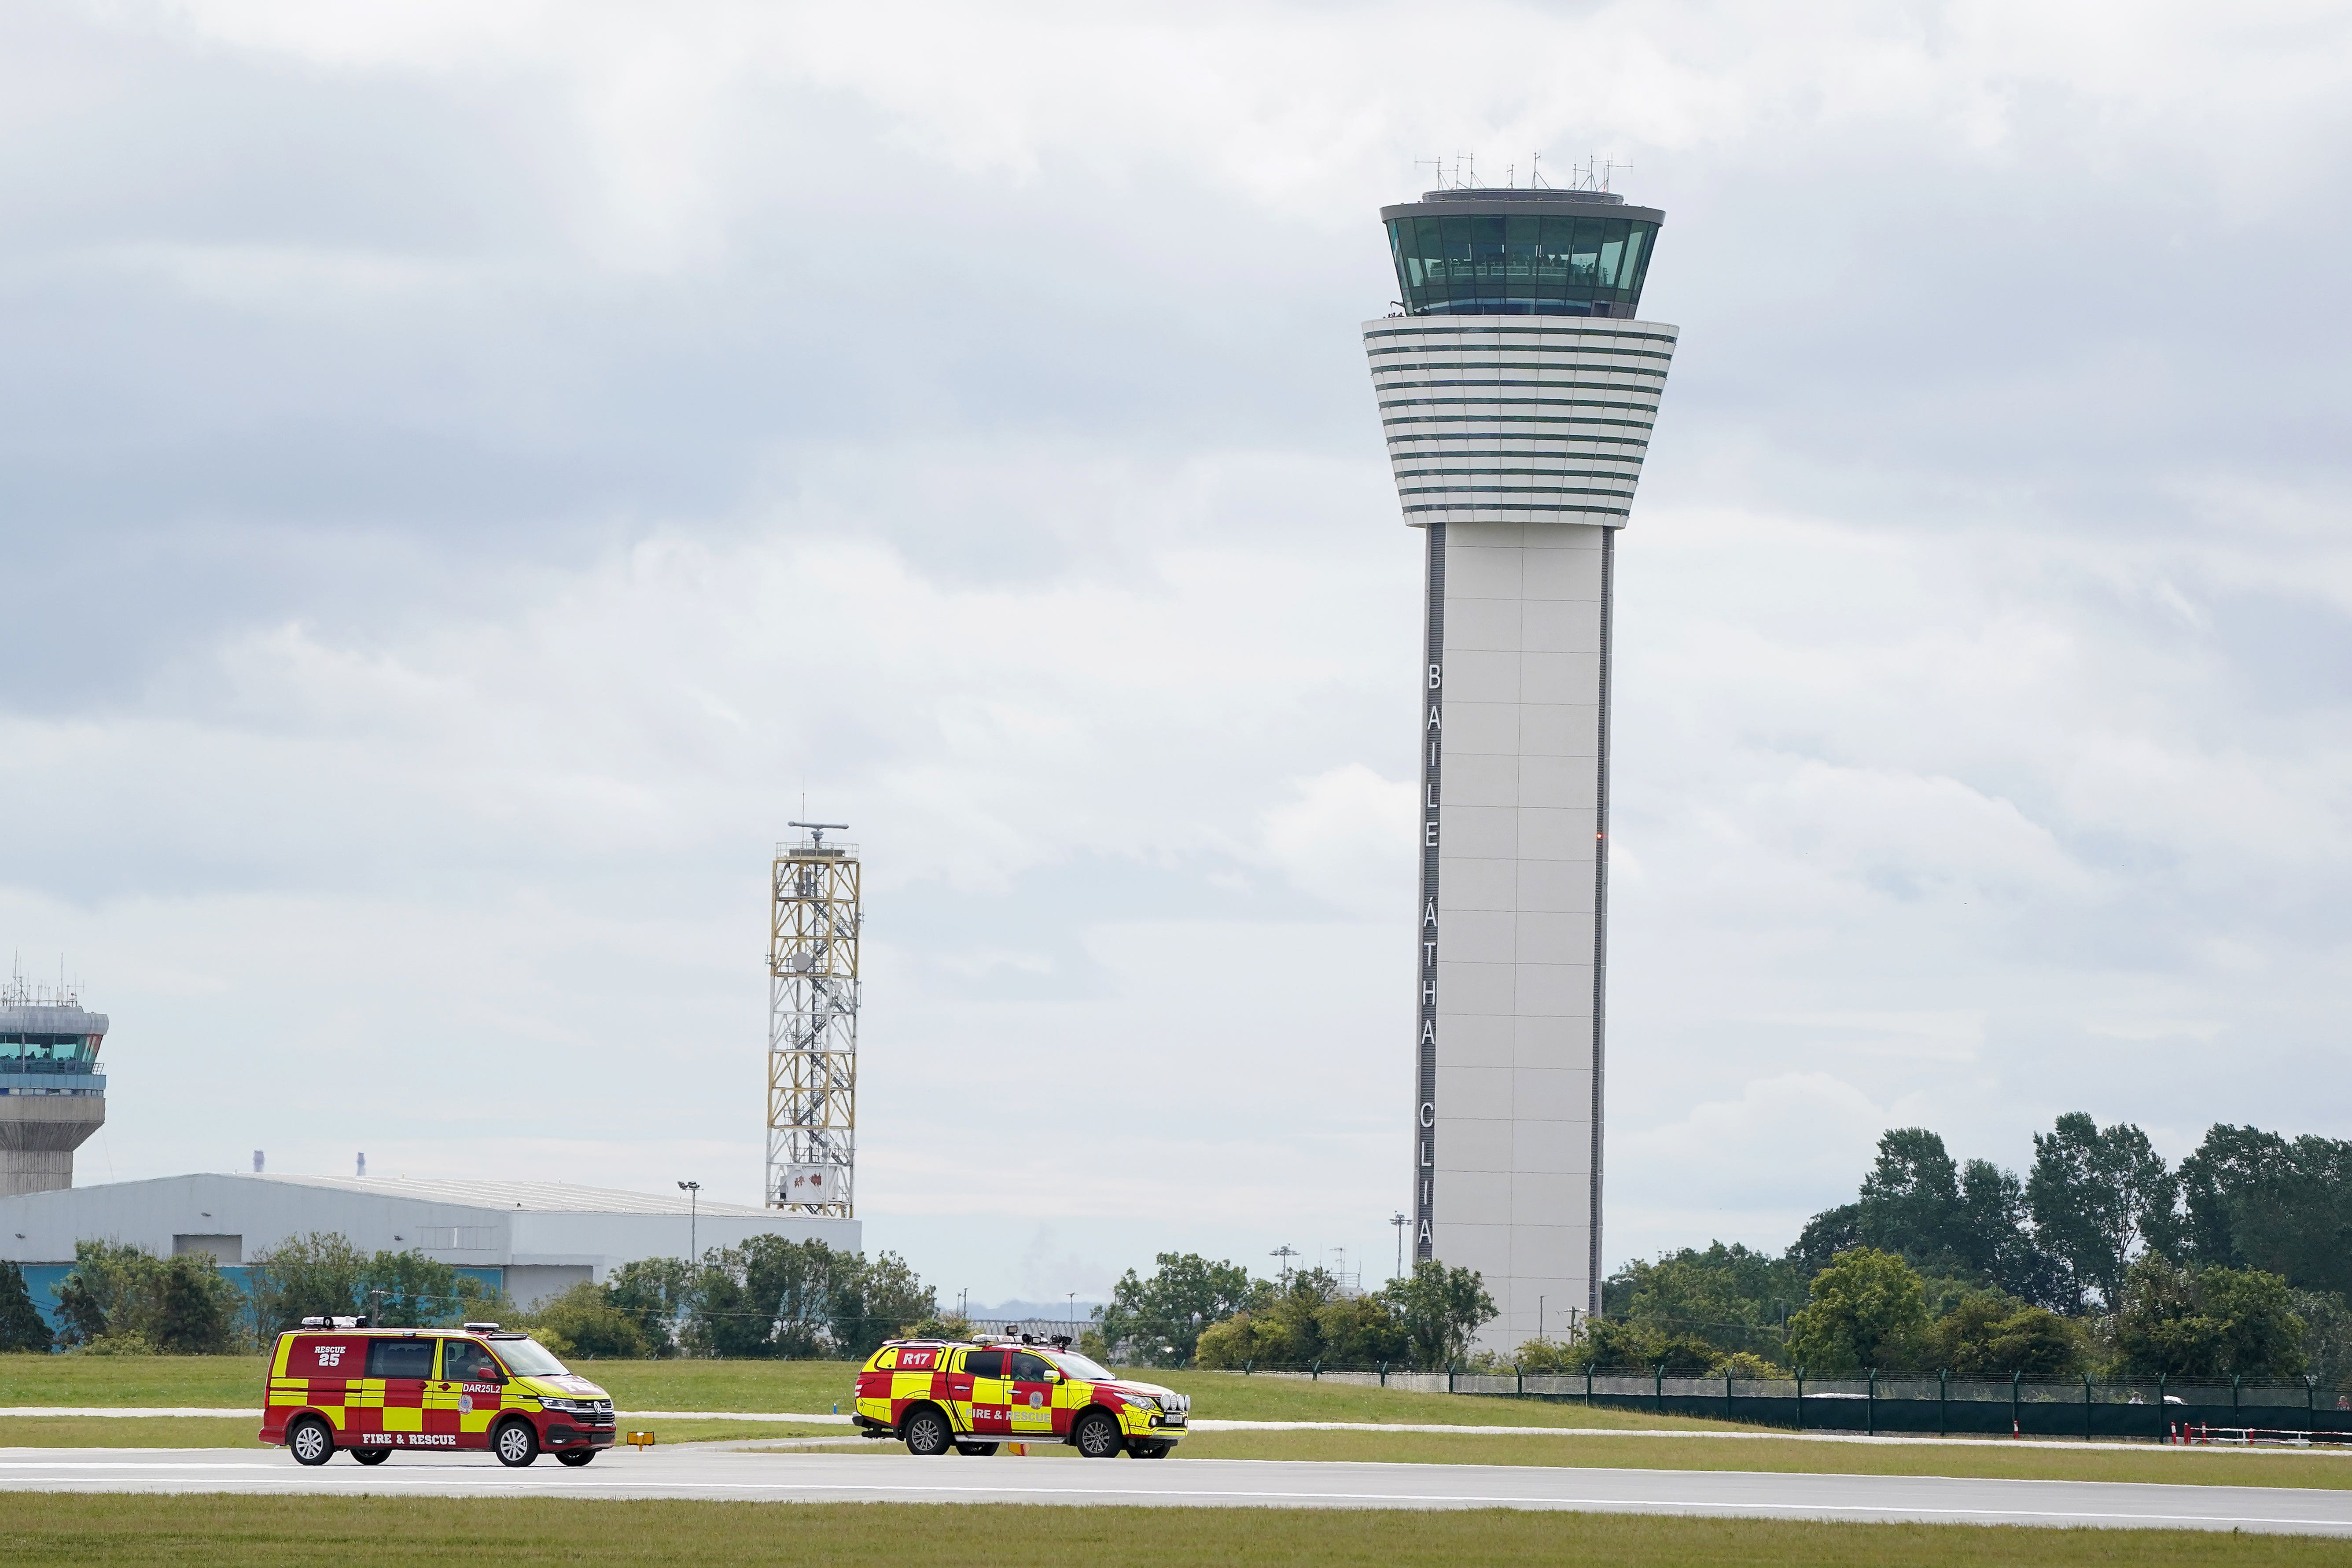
x: 516, y: 1444
x: 370, y: 1455
x: 311, y: 1440
x: 976, y: 1450
x: 1096, y: 1437
x: 577, y: 1457
x: 927, y: 1430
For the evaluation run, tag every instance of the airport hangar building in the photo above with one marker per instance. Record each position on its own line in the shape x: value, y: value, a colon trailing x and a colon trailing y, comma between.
x: 530, y: 1239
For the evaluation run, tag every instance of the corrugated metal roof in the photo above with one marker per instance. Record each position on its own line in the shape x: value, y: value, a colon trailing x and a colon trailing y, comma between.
x: 542, y: 1197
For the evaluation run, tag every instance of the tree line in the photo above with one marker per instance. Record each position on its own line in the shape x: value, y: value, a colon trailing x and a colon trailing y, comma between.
x: 2101, y: 1260
x: 1192, y: 1312
x: 768, y: 1298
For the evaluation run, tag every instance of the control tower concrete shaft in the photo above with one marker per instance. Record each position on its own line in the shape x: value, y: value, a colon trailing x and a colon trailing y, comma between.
x: 52, y: 1094
x: 1516, y: 391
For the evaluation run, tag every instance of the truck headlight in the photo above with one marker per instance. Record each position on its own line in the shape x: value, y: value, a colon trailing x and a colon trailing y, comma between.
x: 1141, y: 1401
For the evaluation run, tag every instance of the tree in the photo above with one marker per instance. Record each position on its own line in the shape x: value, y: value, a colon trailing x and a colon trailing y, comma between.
x: 197, y: 1309
x: 877, y: 1300
x: 655, y: 1292
x: 1440, y: 1309
x: 1991, y: 1334
x: 2099, y: 1197
x: 1825, y: 1236
x: 2207, y: 1323
x: 585, y: 1321
x: 1309, y: 1322
x: 21, y: 1326
x: 1185, y: 1294
x: 314, y: 1275
x: 1995, y: 1244
x: 1735, y: 1299
x: 122, y: 1297
x: 2255, y: 1200
x: 1868, y: 1310
x: 1910, y: 1202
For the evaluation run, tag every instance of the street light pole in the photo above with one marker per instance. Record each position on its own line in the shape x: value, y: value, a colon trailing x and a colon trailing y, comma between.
x: 693, y: 1191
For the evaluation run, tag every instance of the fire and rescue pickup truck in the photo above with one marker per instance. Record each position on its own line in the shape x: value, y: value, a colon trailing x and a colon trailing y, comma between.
x: 338, y: 1384
x: 938, y: 1395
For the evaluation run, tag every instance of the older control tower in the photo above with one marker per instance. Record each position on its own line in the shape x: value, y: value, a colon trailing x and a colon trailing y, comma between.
x: 1516, y: 391
x: 52, y: 1094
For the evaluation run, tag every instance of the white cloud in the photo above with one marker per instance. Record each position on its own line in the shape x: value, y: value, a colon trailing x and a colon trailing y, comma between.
x: 471, y: 466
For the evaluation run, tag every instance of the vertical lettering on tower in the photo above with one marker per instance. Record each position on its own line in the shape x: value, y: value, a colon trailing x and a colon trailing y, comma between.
x: 1433, y: 757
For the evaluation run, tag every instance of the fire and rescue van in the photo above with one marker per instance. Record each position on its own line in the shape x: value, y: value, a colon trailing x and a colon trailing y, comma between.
x: 969, y: 1395
x: 336, y: 1383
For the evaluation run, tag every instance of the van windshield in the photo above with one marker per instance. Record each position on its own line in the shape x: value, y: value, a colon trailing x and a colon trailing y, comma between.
x: 528, y: 1358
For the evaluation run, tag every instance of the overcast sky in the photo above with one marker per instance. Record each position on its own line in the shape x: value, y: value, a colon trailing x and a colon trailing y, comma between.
x: 470, y: 467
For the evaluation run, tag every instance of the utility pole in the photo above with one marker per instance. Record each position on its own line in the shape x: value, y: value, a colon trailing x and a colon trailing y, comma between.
x: 693, y: 1191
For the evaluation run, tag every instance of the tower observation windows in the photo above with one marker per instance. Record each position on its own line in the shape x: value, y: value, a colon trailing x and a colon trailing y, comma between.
x: 1521, y: 264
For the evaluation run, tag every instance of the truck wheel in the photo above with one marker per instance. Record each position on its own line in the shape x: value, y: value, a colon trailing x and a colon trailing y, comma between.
x: 370, y: 1455
x: 1096, y: 1435
x: 976, y: 1450
x: 311, y: 1442
x: 577, y: 1457
x: 516, y: 1444
x: 927, y: 1430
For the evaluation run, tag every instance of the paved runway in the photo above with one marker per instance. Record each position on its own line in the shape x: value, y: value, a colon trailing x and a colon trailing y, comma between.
x: 688, y: 1472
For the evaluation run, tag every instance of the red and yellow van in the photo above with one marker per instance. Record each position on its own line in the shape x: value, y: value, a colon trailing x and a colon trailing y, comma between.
x: 337, y: 1383
x: 935, y: 1395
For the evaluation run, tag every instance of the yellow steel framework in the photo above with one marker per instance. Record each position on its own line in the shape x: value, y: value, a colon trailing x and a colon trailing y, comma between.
x: 812, y: 930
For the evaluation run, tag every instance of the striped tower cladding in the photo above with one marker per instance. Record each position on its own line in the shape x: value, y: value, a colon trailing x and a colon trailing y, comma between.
x: 1516, y: 440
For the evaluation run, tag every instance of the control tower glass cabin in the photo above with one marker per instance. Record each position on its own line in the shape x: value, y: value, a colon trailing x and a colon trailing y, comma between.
x: 1516, y: 389
x: 52, y: 1094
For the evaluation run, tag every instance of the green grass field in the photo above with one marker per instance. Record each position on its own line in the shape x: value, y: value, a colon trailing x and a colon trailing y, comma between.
x: 40, y: 1531
x: 804, y: 1386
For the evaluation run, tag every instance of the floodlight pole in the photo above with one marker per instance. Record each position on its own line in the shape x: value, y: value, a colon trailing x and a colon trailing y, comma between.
x: 693, y: 1191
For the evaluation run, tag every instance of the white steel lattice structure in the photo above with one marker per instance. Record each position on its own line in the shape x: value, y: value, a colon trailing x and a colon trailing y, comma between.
x: 812, y: 930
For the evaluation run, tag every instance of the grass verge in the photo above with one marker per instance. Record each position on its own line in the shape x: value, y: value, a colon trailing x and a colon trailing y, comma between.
x: 807, y: 1387
x: 300, y: 1532
x: 215, y: 1432
x: 2024, y: 1461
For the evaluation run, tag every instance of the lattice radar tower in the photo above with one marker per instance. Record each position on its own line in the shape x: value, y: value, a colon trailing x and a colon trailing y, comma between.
x: 812, y: 926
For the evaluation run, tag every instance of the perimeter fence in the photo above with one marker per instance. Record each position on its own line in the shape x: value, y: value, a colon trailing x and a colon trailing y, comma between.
x: 1905, y: 1402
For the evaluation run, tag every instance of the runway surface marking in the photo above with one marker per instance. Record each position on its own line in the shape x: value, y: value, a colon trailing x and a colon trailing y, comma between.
x: 1210, y: 1483
x: 822, y: 1418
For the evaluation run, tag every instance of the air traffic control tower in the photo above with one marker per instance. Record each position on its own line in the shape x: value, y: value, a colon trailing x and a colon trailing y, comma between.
x: 52, y: 1094
x: 1517, y: 390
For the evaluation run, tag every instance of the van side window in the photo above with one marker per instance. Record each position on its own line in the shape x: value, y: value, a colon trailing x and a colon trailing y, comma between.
x: 465, y: 1361
x: 985, y: 1363
x: 400, y: 1358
